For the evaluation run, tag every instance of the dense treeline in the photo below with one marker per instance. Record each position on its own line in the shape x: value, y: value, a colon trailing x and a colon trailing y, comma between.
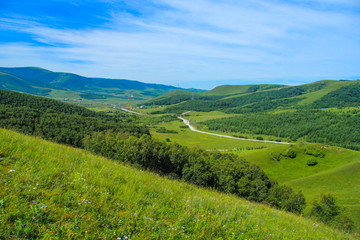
x: 132, y: 144
x: 234, y: 103
x: 348, y: 96
x: 330, y: 127
x: 42, y: 104
x: 265, y: 105
x: 254, y: 100
x: 57, y: 121
x: 225, y: 172
x: 178, y: 98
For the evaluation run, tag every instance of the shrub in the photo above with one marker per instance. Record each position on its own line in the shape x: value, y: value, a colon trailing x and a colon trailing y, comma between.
x: 326, y: 209
x: 311, y: 162
x: 260, y: 138
x: 315, y: 151
x: 290, y: 153
x: 275, y: 156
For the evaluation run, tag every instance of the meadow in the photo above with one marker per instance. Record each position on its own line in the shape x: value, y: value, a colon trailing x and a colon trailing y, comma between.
x: 55, y: 191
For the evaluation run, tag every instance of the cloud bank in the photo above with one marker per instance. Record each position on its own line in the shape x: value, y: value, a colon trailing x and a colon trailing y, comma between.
x: 199, y: 43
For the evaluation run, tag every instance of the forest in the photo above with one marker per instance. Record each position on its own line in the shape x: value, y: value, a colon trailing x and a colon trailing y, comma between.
x: 114, y: 138
x: 336, y: 127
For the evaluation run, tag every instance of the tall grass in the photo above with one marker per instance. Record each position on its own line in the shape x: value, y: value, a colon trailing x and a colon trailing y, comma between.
x: 53, y: 191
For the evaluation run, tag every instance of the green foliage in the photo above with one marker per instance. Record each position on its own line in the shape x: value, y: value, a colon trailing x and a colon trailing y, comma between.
x: 58, y: 192
x: 275, y: 156
x: 326, y: 210
x: 57, y: 121
x: 335, y: 128
x: 283, y: 197
x: 347, y: 96
x: 164, y: 130
x: 224, y: 172
x: 290, y: 153
x: 207, y: 104
x: 311, y: 162
x: 315, y: 151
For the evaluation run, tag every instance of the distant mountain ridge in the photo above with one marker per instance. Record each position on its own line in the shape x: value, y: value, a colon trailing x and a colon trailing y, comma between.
x: 264, y: 97
x: 40, y: 81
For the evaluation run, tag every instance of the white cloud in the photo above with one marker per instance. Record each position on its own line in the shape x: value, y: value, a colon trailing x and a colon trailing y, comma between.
x: 200, y: 40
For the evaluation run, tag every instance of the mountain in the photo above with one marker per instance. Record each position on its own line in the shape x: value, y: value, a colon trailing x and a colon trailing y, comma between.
x: 43, y: 82
x: 260, y: 98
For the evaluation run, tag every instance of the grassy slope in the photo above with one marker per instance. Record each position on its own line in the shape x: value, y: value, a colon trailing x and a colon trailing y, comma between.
x: 338, y: 173
x: 61, y: 192
x: 329, y: 87
x: 238, y: 89
x: 228, y: 90
x: 189, y: 138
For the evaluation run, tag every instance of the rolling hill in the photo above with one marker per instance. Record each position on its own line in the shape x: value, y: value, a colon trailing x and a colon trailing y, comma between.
x: 43, y: 82
x: 54, y: 191
x: 261, y: 98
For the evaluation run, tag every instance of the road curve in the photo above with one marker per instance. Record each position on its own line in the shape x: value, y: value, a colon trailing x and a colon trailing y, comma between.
x: 187, y: 123
x: 129, y: 111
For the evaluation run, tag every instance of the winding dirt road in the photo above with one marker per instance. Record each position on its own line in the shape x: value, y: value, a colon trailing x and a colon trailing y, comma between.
x: 187, y: 123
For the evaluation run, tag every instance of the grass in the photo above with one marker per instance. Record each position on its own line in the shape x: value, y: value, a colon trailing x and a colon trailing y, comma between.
x: 203, y: 116
x: 54, y: 191
x: 189, y: 138
x: 337, y: 173
x: 316, y: 95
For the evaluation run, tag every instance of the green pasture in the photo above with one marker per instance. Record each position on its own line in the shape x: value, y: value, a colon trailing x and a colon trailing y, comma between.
x: 337, y: 173
x: 189, y: 138
x: 51, y: 191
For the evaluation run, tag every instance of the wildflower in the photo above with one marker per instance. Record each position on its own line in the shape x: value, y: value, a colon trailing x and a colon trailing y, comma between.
x: 33, y: 217
x: 25, y: 224
x: 37, y: 184
x: 11, y: 170
x: 35, y: 202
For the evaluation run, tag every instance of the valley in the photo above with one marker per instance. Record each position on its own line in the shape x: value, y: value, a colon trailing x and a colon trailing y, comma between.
x: 305, y: 137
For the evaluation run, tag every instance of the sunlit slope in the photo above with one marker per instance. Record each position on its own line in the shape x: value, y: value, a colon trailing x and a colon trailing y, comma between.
x: 226, y: 90
x: 338, y: 172
x: 54, y: 191
x: 262, y: 98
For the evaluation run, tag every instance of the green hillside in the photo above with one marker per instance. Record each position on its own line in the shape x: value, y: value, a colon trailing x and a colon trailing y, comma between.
x: 227, y: 90
x: 54, y: 191
x: 10, y: 82
x: 336, y: 172
x: 261, y: 98
x: 57, y: 85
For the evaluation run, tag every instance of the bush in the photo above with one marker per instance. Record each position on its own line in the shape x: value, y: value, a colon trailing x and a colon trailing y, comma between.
x: 290, y: 153
x: 260, y: 138
x: 327, y: 211
x: 311, y: 162
x: 315, y: 151
x: 275, y: 156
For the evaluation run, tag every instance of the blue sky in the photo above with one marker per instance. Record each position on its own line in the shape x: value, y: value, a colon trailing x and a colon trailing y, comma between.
x: 186, y: 43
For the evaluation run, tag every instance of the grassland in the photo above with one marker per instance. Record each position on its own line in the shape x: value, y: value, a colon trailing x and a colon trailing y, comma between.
x: 53, y: 191
x: 337, y: 173
x: 189, y: 138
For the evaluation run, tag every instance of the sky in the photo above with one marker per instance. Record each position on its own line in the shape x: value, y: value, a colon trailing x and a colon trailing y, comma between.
x: 185, y: 43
